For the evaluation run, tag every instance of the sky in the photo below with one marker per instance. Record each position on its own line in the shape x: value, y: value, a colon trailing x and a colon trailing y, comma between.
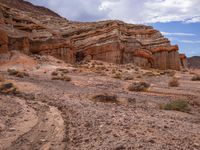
x: 178, y: 20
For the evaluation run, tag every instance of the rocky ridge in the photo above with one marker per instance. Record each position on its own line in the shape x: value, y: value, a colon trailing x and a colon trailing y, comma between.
x: 111, y: 41
x: 194, y: 62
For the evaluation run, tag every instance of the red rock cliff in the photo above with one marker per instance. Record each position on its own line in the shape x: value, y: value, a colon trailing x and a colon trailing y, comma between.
x: 111, y: 41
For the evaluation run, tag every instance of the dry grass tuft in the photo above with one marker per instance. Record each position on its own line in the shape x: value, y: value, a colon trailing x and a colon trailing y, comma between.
x: 139, y: 86
x: 174, y: 82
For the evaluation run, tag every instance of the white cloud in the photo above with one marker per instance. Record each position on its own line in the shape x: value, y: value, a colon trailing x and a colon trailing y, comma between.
x: 190, y: 41
x: 133, y: 11
x: 177, y: 34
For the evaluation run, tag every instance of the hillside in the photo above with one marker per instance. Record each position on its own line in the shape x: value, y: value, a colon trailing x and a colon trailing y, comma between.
x: 29, y: 7
x: 194, y: 62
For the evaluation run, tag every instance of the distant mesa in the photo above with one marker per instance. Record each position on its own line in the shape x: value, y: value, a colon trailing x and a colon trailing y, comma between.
x: 37, y: 30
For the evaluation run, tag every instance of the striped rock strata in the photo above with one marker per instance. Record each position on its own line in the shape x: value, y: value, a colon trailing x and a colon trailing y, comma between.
x: 110, y: 41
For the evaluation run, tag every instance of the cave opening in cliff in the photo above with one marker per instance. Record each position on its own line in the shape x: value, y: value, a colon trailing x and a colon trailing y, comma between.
x: 80, y: 56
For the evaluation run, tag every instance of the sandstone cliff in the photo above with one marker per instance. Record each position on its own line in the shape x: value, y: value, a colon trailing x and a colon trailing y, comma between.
x: 111, y: 41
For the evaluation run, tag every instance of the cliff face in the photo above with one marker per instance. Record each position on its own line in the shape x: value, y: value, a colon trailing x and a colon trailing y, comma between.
x: 111, y: 41
x: 183, y: 60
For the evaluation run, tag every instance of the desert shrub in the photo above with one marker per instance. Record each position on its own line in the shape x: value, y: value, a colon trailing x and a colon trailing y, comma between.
x: 54, y: 73
x: 136, y: 69
x: 149, y: 73
x: 196, y: 78
x: 16, y: 73
x: 173, y: 82
x: 66, y: 78
x: 8, y: 88
x: 105, y: 98
x: 62, y: 70
x: 138, y: 76
x: 22, y: 74
x: 138, y: 86
x: 170, y: 73
x: 62, y: 78
x: 128, y: 77
x: 117, y: 76
x: 12, y: 72
x: 178, y: 105
x: 113, y: 71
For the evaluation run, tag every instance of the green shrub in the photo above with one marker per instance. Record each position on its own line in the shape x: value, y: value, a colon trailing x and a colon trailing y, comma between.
x: 178, y: 105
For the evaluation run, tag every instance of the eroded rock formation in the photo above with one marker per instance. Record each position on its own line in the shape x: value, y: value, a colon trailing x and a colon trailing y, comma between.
x: 183, y: 60
x: 111, y: 41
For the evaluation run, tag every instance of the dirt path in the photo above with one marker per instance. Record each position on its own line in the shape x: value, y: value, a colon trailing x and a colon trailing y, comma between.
x: 38, y: 126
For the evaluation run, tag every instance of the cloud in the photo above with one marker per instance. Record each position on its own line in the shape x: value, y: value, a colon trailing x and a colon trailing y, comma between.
x: 133, y: 11
x: 79, y: 10
x: 178, y: 34
x: 193, y: 20
x: 190, y: 41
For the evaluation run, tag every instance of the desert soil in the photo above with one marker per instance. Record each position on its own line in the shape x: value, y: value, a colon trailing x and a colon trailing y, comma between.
x: 55, y: 115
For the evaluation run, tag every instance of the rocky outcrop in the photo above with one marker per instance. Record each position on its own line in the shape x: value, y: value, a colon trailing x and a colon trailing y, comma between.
x: 27, y: 6
x: 183, y: 60
x: 58, y: 48
x: 3, y: 42
x: 111, y: 41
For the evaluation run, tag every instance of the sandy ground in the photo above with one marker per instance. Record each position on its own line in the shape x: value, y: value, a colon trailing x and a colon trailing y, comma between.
x: 56, y: 115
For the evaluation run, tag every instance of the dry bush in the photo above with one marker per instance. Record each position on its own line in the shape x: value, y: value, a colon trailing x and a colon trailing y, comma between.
x: 171, y: 73
x: 12, y: 72
x: 128, y: 77
x: 105, y: 98
x: 16, y: 73
x: 178, y: 105
x: 54, y: 73
x: 8, y: 88
x: 139, y: 86
x: 138, y: 76
x: 62, y: 70
x: 113, y: 71
x: 62, y: 78
x: 196, y: 77
x: 149, y: 73
x: 117, y: 76
x: 174, y: 82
